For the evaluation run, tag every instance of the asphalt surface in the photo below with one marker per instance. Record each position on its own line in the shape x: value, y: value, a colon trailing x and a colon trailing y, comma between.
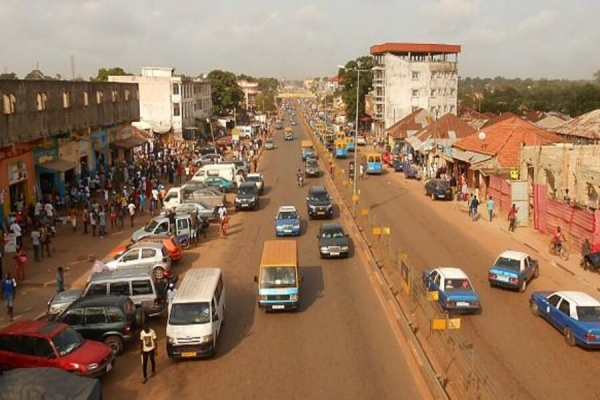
x: 523, y: 355
x: 339, y: 345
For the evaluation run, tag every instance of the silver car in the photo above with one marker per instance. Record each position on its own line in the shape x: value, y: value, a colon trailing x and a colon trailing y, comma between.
x: 142, y: 255
x: 203, y: 210
x: 61, y: 301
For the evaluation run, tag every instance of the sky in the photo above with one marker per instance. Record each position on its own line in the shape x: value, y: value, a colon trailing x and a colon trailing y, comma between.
x: 289, y: 39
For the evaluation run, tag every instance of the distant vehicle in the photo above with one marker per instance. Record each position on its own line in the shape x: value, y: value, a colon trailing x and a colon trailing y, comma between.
x: 455, y: 291
x: 438, y: 189
x: 311, y: 168
x: 333, y: 241
x: 202, y: 209
x: 294, y: 122
x: 575, y: 314
x: 207, y: 159
x: 258, y: 180
x: 288, y: 135
x: 269, y: 144
x: 193, y: 192
x: 411, y: 172
x: 26, y: 344
x: 287, y: 221
x: 220, y: 183
x: 247, y: 197
x: 513, y: 270
x: 318, y: 203
x: 398, y: 165
x: 361, y: 141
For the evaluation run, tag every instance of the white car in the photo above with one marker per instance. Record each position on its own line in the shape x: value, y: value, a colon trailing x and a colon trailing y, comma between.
x: 361, y: 141
x: 258, y: 179
x: 142, y: 255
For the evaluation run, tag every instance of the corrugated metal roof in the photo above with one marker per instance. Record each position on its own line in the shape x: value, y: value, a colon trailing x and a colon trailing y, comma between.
x: 585, y: 126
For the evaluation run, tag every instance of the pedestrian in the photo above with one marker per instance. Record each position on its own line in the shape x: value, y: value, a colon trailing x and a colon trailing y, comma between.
x: 20, y: 259
x: 148, y: 350
x: 93, y: 220
x: 102, y: 222
x: 85, y: 219
x: 362, y: 171
x: 331, y: 168
x: 15, y: 228
x: 73, y: 218
x: 45, y: 239
x: 60, y: 280
x: 171, y: 292
x: 113, y: 217
x: 142, y: 202
x: 490, y: 208
x: 131, y: 209
x: 473, y: 208
x: 512, y: 218
x: 223, y: 220
x: 9, y: 289
x: 255, y: 163
x: 35, y: 241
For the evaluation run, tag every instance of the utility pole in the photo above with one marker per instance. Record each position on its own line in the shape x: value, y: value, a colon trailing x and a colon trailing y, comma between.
x: 72, y: 67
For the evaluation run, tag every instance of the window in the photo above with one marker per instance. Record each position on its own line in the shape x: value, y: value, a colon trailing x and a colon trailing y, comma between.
x: 66, y: 100
x: 162, y: 228
x: 437, y: 279
x: 142, y: 287
x: 415, y: 92
x: 86, y: 99
x: 95, y: 315
x: 115, y: 315
x: 127, y: 94
x: 41, y: 101
x: 114, y: 96
x: 176, y: 89
x: 8, y: 342
x: 176, y: 110
x: 565, y: 307
x: 74, y: 317
x: 148, y: 253
x: 8, y: 102
x: 433, y: 92
x: 415, y: 75
x: 554, y: 299
x: 26, y: 345
x: 42, y: 348
x: 119, y: 288
x: 219, y: 289
x: 182, y: 224
x: 130, y: 256
x: 98, y: 289
x: 99, y: 96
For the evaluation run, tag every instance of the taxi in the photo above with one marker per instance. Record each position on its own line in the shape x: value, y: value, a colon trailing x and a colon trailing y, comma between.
x: 173, y: 247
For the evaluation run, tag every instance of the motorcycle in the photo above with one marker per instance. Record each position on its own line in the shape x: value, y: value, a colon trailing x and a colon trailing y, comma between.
x: 591, y: 262
x: 559, y: 249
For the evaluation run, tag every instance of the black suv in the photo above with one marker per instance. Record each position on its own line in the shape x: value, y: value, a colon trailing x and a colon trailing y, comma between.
x: 113, y: 320
x: 318, y: 203
x: 247, y: 196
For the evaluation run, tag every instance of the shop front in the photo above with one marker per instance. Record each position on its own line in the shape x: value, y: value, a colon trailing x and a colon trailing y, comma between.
x: 51, y: 171
x: 16, y: 183
x: 100, y: 152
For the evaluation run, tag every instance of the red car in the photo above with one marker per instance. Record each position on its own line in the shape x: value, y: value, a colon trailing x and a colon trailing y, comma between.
x: 27, y: 344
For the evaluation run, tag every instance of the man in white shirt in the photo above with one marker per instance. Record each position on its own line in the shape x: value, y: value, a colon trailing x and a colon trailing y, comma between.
x: 16, y: 230
x: 131, y: 208
x: 148, y: 349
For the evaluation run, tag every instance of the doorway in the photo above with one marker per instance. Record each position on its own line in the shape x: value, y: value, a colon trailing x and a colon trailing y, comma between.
x: 17, y: 196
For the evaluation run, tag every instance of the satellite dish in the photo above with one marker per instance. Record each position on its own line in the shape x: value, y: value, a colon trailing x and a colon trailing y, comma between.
x: 481, y: 135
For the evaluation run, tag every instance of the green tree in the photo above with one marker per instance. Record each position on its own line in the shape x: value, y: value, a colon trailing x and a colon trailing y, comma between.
x: 226, y: 93
x: 8, y: 76
x: 265, y: 101
x: 597, y: 76
x: 349, y: 78
x: 104, y: 73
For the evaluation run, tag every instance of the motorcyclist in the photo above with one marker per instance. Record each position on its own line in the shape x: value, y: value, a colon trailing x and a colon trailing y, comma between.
x: 299, y: 177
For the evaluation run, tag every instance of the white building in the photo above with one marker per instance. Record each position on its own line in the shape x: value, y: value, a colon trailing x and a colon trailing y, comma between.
x: 250, y: 90
x: 408, y: 76
x: 169, y: 102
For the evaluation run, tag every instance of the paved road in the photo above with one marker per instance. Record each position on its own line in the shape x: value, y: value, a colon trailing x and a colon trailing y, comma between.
x: 339, y: 345
x: 525, y: 356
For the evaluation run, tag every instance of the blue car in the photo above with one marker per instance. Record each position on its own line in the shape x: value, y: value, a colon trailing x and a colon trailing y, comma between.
x: 513, y: 270
x: 411, y: 172
x: 218, y: 182
x: 287, y: 222
x: 455, y: 292
x: 575, y: 314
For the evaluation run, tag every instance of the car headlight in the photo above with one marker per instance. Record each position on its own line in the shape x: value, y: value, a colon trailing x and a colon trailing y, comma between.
x: 323, y: 248
x: 312, y: 207
x: 207, y: 338
x: 278, y: 227
x: 293, y: 297
x: 344, y: 248
x: 171, y: 340
x: 297, y: 226
x: 91, y: 366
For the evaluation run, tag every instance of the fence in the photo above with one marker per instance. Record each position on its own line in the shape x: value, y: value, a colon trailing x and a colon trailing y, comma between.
x: 456, y: 363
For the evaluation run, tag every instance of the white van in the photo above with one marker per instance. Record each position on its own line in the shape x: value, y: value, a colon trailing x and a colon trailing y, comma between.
x: 226, y: 171
x: 196, y: 314
x: 244, y: 131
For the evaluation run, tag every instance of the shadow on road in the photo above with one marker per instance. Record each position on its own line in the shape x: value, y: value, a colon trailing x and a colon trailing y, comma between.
x: 312, y: 286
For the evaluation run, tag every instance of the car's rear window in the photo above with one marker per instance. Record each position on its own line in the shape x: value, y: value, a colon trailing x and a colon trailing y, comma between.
x: 511, y: 263
x: 96, y: 289
x: 588, y: 314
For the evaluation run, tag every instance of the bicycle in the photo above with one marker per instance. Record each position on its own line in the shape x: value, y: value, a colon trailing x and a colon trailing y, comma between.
x: 559, y: 249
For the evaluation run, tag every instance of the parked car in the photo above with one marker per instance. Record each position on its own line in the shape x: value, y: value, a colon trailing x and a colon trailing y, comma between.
x: 247, y: 197
x: 171, y: 244
x: 142, y: 255
x: 287, y: 221
x: 455, y: 291
x: 398, y: 165
x: 333, y: 241
x: 61, y: 301
x: 513, y: 270
x: 202, y: 209
x: 318, y: 203
x: 575, y: 314
x: 241, y: 167
x: 220, y: 183
x: 438, y: 189
x: 258, y: 180
x: 209, y: 195
x: 112, y: 319
x: 26, y: 344
x: 210, y: 158
x: 411, y: 172
x: 361, y: 141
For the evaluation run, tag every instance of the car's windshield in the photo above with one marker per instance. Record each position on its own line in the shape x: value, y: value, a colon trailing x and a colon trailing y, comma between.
x: 278, y: 277
x: 253, y: 179
x: 287, y: 215
x: 457, y: 284
x: 510, y: 263
x: 442, y: 185
x: 246, y: 190
x: 151, y: 225
x: 588, y: 314
x: 311, y: 164
x: 332, y: 234
x: 67, y: 341
x: 319, y: 196
x: 190, y: 313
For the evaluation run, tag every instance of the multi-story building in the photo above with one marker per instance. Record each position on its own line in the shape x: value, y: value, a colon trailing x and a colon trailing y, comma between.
x: 170, y: 103
x: 250, y: 90
x: 409, y: 76
x: 53, y: 132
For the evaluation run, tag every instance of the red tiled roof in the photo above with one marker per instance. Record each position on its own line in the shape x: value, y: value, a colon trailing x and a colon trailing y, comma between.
x: 433, y: 48
x: 444, y: 127
x: 334, y: 79
x: 413, y: 122
x: 505, y: 139
x: 498, y: 118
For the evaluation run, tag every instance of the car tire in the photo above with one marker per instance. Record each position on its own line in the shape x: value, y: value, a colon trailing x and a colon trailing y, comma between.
x: 140, y: 317
x: 536, y: 274
x: 116, y: 344
x: 158, y: 272
x: 569, y: 337
x: 523, y: 286
x: 535, y: 310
